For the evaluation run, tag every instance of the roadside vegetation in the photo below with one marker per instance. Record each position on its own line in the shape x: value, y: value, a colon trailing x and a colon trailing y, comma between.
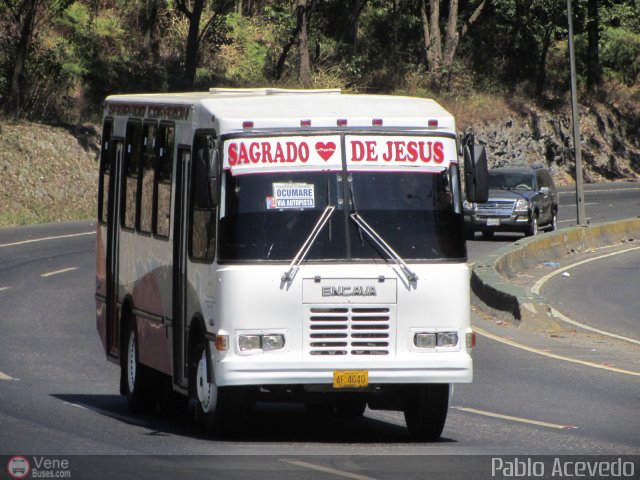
x: 487, y: 61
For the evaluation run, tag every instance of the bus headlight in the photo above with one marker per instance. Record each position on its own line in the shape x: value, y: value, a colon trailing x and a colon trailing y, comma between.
x: 433, y: 340
x: 447, y: 339
x: 257, y: 342
x: 249, y: 342
x: 425, y: 340
x: 272, y: 342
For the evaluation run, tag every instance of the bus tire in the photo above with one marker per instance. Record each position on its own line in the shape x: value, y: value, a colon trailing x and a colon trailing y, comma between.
x: 206, y: 393
x: 137, y: 379
x: 425, y: 411
x: 223, y: 410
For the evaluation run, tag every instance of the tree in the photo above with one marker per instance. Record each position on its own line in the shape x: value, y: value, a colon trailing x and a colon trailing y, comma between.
x: 148, y: 19
x: 26, y: 17
x: 351, y: 31
x: 441, y: 51
x: 193, y: 9
x: 594, y: 76
x: 303, y: 43
x: 298, y: 35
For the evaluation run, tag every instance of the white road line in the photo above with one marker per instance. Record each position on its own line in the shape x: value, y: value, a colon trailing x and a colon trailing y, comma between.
x: 2, y: 289
x: 77, y: 406
x: 497, y: 338
x: 573, y: 205
x: 573, y: 220
x: 613, y: 190
x: 64, y: 270
x: 333, y: 471
x: 539, y: 284
x: 515, y: 419
x: 4, y: 376
x: 24, y: 242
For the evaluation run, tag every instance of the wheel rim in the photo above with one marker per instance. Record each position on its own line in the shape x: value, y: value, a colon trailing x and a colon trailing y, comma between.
x: 207, y: 392
x: 554, y: 224
x: 534, y: 226
x: 131, y: 361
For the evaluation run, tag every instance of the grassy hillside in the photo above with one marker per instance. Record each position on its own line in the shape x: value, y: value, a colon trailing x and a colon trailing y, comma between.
x: 47, y: 173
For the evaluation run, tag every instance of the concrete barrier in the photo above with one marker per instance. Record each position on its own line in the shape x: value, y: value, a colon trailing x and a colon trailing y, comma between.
x: 490, y: 277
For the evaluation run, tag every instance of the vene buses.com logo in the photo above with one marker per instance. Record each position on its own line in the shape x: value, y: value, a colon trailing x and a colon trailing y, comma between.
x: 18, y: 467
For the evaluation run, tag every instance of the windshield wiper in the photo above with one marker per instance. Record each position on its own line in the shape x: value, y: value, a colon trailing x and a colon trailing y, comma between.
x: 308, y: 243
x: 412, y: 278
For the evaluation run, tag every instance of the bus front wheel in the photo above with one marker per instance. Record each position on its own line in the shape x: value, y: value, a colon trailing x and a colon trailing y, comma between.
x: 425, y: 411
x: 206, y: 394
x: 221, y: 409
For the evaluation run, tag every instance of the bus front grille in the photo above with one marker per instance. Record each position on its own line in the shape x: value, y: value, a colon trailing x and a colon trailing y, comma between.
x: 352, y: 330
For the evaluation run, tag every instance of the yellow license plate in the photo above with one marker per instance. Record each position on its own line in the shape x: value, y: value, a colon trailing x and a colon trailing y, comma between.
x: 350, y: 378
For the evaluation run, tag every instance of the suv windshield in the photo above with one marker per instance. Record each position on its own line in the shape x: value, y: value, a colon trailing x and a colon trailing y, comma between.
x: 268, y: 216
x: 511, y: 181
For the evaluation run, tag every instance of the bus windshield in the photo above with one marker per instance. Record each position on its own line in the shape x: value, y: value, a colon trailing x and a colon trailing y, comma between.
x: 268, y: 216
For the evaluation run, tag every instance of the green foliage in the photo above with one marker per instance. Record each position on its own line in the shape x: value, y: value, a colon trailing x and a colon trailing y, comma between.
x: 247, y: 52
x: 93, y: 49
x: 620, y: 55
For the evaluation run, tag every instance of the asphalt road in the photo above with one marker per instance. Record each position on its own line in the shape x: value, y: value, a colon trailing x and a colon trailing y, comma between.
x: 59, y: 396
x: 613, y: 278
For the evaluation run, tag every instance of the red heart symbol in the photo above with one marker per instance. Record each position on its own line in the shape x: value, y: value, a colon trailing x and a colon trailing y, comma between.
x: 325, y: 150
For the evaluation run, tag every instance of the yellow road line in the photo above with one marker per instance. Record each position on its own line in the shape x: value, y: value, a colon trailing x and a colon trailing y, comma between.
x: 515, y: 419
x: 64, y: 270
x: 320, y: 468
x: 24, y: 242
x: 497, y: 338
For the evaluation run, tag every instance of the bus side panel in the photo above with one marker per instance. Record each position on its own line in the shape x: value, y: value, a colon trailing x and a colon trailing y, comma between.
x: 154, y: 349
x: 145, y: 278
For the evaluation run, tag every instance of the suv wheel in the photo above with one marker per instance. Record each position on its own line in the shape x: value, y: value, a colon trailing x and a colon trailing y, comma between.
x: 533, y: 226
x: 553, y: 226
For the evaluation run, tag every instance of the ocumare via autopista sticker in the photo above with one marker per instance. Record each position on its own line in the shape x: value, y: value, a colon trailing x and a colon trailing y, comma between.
x: 292, y: 195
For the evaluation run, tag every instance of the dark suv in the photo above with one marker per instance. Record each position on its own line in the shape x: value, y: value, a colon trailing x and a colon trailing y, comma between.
x: 520, y: 200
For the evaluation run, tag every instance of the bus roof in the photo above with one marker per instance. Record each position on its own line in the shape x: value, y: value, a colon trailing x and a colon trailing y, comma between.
x: 235, y: 109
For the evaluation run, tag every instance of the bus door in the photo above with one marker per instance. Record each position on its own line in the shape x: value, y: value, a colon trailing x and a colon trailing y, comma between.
x: 180, y: 224
x: 112, y: 248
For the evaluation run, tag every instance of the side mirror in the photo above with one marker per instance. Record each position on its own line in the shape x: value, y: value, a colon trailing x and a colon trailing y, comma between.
x: 206, y: 170
x: 544, y: 190
x: 476, y: 173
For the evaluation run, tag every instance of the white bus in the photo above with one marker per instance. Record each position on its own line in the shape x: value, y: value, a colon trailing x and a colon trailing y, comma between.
x: 296, y: 245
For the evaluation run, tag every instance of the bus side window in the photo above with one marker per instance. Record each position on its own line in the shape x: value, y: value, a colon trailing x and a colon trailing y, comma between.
x: 106, y: 157
x: 132, y: 154
x: 203, y: 219
x: 148, y: 161
x: 164, y: 174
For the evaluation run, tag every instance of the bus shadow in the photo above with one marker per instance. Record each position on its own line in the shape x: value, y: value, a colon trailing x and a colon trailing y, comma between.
x: 268, y: 423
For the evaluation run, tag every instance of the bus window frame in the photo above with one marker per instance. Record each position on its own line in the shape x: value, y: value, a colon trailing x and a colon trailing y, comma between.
x: 103, y: 216
x: 192, y: 201
x: 125, y: 164
x: 144, y: 153
x: 157, y: 181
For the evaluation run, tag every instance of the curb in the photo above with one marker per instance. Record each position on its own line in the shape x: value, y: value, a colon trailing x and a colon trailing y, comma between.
x: 490, y: 276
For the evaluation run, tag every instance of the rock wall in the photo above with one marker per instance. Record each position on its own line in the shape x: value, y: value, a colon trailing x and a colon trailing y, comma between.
x: 610, y: 142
